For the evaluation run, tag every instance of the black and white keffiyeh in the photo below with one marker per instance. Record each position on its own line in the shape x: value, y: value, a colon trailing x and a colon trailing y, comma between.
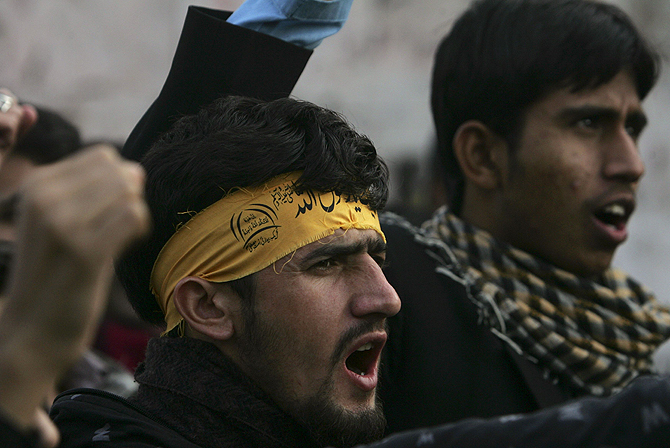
x: 594, y: 335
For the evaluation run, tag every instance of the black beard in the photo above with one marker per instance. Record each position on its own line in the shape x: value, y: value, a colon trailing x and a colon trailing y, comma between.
x: 333, y: 426
x: 329, y: 424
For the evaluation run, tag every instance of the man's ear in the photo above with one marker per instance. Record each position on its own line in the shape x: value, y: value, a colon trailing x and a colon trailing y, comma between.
x: 208, y: 308
x: 481, y: 154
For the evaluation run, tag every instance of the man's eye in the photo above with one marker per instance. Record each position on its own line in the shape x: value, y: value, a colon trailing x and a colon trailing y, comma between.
x: 324, y: 264
x: 588, y: 123
x: 633, y: 131
x: 380, y: 260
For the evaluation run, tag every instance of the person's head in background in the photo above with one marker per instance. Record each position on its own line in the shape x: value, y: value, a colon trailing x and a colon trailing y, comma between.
x: 50, y: 139
x: 537, y: 110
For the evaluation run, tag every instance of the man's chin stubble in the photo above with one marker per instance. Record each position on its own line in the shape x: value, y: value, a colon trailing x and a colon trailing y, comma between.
x: 332, y: 425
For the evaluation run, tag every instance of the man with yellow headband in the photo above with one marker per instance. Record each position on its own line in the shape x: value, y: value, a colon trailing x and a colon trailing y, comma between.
x: 271, y: 286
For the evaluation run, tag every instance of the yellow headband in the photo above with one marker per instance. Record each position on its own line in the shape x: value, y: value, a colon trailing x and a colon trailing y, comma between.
x: 249, y: 230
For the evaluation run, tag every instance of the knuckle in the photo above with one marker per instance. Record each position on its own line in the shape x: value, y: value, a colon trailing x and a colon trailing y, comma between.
x: 137, y: 218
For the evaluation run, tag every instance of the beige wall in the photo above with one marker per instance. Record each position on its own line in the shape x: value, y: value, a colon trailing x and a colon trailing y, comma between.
x: 102, y: 62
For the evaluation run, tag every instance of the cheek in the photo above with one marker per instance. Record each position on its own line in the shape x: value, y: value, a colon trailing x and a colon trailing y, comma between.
x: 579, y: 168
x: 561, y: 172
x: 548, y: 193
x: 310, y: 314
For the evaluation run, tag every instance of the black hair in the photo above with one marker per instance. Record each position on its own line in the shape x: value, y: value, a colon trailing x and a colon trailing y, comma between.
x: 501, y: 56
x: 240, y: 142
x: 51, y: 138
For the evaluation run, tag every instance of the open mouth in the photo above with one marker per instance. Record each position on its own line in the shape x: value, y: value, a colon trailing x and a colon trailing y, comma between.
x: 615, y: 214
x: 363, y: 361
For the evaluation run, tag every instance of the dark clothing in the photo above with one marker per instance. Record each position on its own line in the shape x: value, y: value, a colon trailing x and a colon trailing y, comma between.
x: 91, y: 417
x: 452, y: 353
x: 440, y: 363
x: 214, y: 59
x: 192, y: 396
x: 189, y: 395
x: 639, y: 416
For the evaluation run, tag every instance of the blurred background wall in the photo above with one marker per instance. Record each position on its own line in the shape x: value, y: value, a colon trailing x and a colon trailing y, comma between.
x: 102, y: 62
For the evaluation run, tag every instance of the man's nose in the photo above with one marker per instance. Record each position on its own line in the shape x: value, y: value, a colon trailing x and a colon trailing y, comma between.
x: 373, y: 294
x: 622, y: 158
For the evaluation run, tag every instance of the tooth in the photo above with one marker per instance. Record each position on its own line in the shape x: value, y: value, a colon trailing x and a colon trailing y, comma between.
x: 616, y: 209
x: 367, y: 346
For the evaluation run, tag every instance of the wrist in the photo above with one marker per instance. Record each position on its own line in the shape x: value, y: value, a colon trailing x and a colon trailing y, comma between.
x: 24, y: 383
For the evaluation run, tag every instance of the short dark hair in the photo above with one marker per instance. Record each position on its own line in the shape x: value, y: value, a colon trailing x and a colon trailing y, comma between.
x: 51, y: 139
x: 240, y: 142
x: 501, y: 56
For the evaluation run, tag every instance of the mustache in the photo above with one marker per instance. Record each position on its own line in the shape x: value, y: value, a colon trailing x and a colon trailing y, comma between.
x: 615, y: 190
x: 354, y: 332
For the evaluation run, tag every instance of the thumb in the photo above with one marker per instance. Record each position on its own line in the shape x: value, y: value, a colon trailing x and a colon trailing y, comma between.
x: 28, y: 119
x: 49, y: 436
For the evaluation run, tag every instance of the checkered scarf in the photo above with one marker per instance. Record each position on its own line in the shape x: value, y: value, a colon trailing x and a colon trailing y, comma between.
x: 594, y: 336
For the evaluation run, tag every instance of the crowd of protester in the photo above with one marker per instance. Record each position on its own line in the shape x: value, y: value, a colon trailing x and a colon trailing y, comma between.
x: 249, y: 228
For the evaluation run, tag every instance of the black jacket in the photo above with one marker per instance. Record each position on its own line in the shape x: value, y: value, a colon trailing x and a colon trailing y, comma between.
x: 440, y: 364
x: 639, y: 416
x: 86, y: 417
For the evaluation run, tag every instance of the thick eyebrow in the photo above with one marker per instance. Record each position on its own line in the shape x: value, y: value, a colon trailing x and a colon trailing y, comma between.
x: 372, y: 245
x: 636, y: 117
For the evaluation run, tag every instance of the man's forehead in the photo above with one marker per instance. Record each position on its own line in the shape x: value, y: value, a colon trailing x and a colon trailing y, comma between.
x: 619, y: 92
x: 617, y: 99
